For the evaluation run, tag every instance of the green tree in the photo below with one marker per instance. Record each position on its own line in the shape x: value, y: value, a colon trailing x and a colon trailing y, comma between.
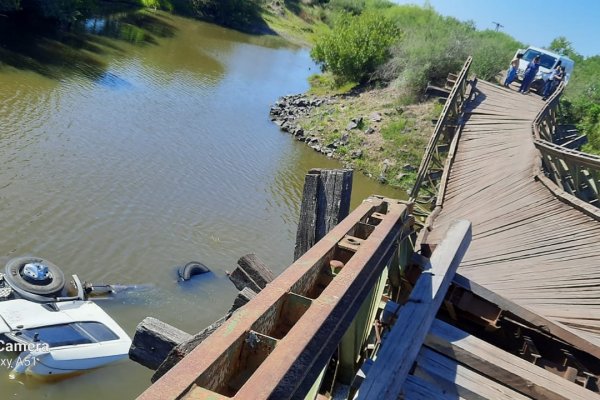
x: 431, y: 47
x: 590, y: 124
x: 350, y: 6
x: 356, y: 46
x: 492, y: 52
x: 564, y: 46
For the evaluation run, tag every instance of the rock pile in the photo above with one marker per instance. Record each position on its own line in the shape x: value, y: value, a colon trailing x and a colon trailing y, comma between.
x: 289, y: 108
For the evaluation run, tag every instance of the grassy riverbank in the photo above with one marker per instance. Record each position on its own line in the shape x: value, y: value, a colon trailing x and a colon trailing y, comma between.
x: 407, y: 48
x: 374, y: 132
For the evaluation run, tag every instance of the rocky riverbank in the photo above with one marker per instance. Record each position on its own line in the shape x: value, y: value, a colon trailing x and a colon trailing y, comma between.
x: 287, y: 112
x: 368, y: 131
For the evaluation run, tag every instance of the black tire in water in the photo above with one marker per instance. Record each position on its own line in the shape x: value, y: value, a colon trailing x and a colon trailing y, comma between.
x: 192, y: 268
x: 14, y: 277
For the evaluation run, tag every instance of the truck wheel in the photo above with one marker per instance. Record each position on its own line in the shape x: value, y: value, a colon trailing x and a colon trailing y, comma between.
x: 14, y: 277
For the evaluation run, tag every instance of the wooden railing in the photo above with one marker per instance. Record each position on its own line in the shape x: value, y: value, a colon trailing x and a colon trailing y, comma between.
x: 280, y: 344
x: 432, y: 175
x: 572, y: 175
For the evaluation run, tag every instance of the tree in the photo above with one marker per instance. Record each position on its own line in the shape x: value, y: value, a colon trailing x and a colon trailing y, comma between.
x: 562, y: 45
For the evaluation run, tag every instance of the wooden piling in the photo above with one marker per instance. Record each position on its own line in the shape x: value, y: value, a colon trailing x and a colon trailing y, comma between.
x: 325, y: 202
x: 153, y: 341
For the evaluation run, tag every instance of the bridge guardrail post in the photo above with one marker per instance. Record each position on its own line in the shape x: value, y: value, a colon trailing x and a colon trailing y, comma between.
x: 430, y: 181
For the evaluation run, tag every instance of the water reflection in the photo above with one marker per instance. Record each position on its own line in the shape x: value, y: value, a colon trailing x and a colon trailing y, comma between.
x: 112, y: 81
x: 39, y: 46
x: 139, y: 27
x: 46, y: 47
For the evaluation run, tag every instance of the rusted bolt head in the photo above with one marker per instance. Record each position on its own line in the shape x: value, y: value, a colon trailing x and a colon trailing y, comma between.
x: 336, y: 265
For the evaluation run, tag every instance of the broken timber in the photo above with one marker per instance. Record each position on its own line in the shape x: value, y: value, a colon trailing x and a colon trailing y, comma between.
x: 156, y: 342
x: 501, y: 366
x: 153, y: 341
x: 251, y: 273
x: 528, y: 317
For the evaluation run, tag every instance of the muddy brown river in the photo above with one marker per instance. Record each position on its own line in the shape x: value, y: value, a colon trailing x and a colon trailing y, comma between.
x: 140, y: 142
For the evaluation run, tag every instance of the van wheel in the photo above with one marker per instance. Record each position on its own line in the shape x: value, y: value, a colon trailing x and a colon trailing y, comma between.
x: 47, y: 287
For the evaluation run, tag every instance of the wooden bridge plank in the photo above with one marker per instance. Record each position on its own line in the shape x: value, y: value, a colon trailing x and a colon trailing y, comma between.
x: 524, y: 314
x: 459, y: 380
x: 386, y: 376
x: 501, y: 366
x: 419, y: 389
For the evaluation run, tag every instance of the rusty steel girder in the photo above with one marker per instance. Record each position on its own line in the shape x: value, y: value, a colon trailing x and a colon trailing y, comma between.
x: 276, y: 346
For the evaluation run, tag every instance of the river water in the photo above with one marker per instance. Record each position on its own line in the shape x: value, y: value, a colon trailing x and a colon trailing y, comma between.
x: 141, y: 142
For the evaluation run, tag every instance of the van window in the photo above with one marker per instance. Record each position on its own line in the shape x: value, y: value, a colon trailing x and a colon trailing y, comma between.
x: 546, y: 60
x: 70, y: 334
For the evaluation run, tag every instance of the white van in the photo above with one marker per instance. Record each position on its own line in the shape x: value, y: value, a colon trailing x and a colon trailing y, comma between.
x: 548, y: 61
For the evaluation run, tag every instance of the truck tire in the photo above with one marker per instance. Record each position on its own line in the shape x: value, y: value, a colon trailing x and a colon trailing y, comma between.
x: 14, y: 277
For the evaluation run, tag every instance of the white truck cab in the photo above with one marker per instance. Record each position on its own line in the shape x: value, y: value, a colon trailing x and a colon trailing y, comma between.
x: 548, y: 61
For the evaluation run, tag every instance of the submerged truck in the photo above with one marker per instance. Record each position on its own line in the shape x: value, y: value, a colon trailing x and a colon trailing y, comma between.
x: 548, y: 61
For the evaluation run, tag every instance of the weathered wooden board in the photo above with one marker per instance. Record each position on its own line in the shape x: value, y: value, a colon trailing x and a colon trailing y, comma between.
x: 456, y: 379
x: 419, y: 389
x: 395, y: 359
x: 501, y: 366
x: 153, y: 341
x: 528, y: 317
x: 185, y: 347
x: 256, y: 269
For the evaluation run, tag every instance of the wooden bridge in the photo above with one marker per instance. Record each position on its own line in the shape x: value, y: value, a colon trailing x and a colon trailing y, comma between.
x: 528, y: 245
x: 360, y: 310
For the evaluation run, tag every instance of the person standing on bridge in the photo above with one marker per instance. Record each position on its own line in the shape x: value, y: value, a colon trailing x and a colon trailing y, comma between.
x: 530, y: 73
x: 556, y: 76
x: 512, y: 70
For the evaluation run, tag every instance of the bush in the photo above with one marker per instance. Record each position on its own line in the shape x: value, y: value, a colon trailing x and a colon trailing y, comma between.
x: 581, y: 103
x: 492, y: 52
x: 427, y: 53
x: 434, y: 46
x: 157, y: 4
x: 589, y: 124
x: 378, y: 4
x: 356, y: 46
x: 354, y: 7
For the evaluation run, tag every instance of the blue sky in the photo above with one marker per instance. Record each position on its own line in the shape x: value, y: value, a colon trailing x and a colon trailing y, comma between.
x: 534, y: 22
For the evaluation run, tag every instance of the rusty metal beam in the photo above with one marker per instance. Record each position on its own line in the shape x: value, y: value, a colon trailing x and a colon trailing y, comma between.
x: 279, y: 343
